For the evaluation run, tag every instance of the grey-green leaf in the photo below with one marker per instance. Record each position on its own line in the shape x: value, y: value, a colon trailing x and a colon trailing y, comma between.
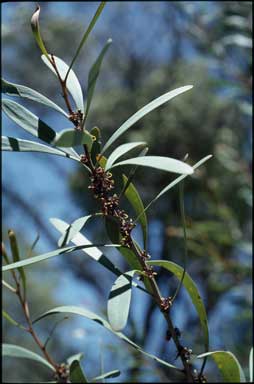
x: 72, y: 138
x: 94, y: 252
x: 45, y: 256
x: 228, y: 365
x: 76, y: 373
x: 93, y: 75
x: 98, y: 319
x: 72, y: 83
x: 12, y: 350
x: 134, y: 198
x: 86, y: 34
x: 144, y: 111
x: 107, y: 375
x: 120, y: 151
x: 193, y: 292
x: 72, y: 230
x: 18, y: 145
x: 174, y: 182
x: 28, y: 121
x: 119, y: 301
x: 158, y: 162
x: 12, y: 89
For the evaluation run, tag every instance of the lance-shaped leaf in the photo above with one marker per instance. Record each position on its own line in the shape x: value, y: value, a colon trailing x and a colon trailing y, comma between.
x: 144, y: 111
x: 86, y: 34
x: 98, y: 319
x: 12, y: 350
x: 120, y: 151
x: 18, y: 145
x: 28, y: 121
x: 158, y: 162
x: 92, y: 77
x: 228, y: 365
x: 72, y: 230
x: 107, y: 375
x: 79, y: 239
x: 45, y: 256
x: 193, y: 292
x: 134, y: 198
x: 72, y: 138
x: 173, y: 183
x: 76, y: 373
x: 36, y: 31
x: 119, y: 300
x: 94, y: 252
x: 72, y: 83
x: 12, y: 89
x: 16, y: 256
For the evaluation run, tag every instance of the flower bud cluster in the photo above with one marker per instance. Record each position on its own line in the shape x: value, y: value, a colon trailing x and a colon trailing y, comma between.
x: 165, y: 303
x: 101, y: 183
x: 76, y: 118
x: 63, y: 373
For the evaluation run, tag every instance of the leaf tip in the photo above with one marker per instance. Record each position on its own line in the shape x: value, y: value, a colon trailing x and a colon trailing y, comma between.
x: 35, y: 18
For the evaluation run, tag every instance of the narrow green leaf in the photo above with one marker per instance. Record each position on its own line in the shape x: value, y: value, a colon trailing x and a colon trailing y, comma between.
x: 12, y: 89
x: 95, y: 253
x: 228, y: 365
x: 119, y: 300
x: 107, y: 375
x: 72, y: 138
x: 98, y: 319
x: 18, y: 145
x: 86, y: 34
x: 92, y: 78
x: 80, y: 239
x: 12, y: 350
x: 134, y: 198
x: 72, y: 83
x: 144, y: 111
x: 16, y: 257
x: 251, y: 365
x: 45, y: 256
x: 120, y: 151
x: 76, y: 373
x: 174, y: 182
x: 36, y: 31
x: 193, y: 292
x: 28, y: 121
x: 72, y: 230
x: 158, y: 162
x: 11, y: 320
x: 181, y: 200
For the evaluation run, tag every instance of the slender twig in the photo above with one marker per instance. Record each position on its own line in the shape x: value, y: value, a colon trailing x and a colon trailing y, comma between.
x: 63, y: 85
